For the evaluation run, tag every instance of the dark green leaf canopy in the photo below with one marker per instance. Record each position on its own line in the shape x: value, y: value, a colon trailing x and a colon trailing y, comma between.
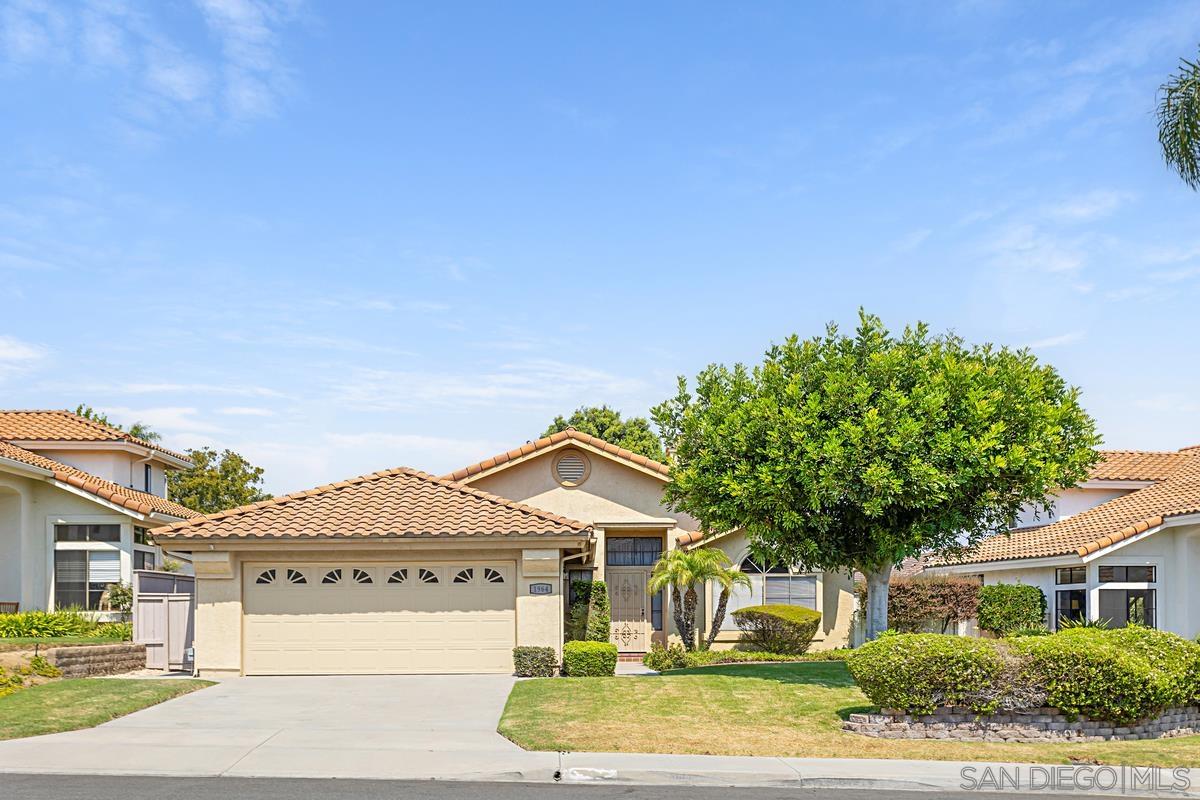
x: 843, y: 452
x: 634, y: 433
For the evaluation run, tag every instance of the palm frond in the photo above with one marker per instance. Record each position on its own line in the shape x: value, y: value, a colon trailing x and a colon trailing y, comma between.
x: 1179, y: 122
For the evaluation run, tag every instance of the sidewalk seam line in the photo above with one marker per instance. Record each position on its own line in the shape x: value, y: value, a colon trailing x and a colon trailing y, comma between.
x: 249, y: 752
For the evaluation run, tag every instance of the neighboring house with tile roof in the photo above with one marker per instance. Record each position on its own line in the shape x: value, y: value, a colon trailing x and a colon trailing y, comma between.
x: 77, y: 499
x: 1123, y: 546
x: 400, y: 571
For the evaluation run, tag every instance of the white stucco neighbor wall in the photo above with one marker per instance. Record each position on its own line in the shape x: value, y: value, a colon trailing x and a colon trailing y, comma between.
x: 1069, y: 503
x: 29, y: 509
x: 1174, y: 551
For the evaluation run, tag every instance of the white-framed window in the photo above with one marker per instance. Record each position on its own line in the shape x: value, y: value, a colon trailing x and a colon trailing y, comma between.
x: 86, y: 555
x: 82, y: 576
x: 773, y: 585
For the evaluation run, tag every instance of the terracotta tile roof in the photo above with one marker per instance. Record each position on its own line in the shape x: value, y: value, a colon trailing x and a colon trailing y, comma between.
x: 1138, y: 465
x: 63, y: 426
x: 394, y: 503
x: 141, y: 502
x: 1175, y: 494
x: 529, y: 448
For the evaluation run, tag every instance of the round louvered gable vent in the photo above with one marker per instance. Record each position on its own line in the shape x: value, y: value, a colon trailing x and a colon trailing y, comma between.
x: 571, y: 468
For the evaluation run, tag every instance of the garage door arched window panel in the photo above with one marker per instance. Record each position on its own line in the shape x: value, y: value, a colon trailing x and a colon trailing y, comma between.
x: 465, y: 575
x: 492, y: 575
x: 398, y: 576
x: 266, y: 577
x: 361, y: 576
x: 425, y: 575
x: 297, y: 577
x: 333, y: 576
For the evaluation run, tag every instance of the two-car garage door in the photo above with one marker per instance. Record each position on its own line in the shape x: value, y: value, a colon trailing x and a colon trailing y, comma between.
x: 374, y: 618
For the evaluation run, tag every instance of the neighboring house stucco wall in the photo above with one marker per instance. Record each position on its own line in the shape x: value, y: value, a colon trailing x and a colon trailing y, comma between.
x: 1068, y: 503
x: 1174, y: 551
x: 28, y: 511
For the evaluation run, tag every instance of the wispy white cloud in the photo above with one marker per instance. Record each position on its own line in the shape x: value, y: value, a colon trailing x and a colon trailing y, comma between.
x: 243, y: 78
x: 533, y: 383
x: 168, y: 420
x: 246, y: 411
x: 912, y: 240
x: 1089, y: 205
x: 14, y: 351
x: 1061, y: 339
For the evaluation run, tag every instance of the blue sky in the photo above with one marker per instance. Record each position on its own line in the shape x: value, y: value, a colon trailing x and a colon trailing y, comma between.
x: 343, y: 237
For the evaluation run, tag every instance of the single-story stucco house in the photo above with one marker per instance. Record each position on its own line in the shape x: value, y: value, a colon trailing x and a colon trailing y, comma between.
x: 77, y: 499
x: 1123, y: 546
x: 404, y: 572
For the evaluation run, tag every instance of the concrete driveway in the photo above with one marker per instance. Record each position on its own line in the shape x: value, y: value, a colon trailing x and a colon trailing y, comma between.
x: 346, y: 726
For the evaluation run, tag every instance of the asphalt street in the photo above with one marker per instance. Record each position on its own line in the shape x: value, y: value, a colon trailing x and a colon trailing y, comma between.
x: 83, y: 787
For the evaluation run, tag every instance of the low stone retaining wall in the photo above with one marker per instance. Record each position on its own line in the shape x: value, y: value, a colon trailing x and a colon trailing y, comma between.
x: 106, y: 659
x: 1036, y: 725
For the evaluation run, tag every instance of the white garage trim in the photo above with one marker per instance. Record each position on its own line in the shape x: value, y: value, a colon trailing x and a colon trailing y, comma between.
x: 358, y: 617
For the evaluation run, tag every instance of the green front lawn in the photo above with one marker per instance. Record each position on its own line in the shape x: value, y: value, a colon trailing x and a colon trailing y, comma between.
x: 28, y: 642
x: 69, y: 705
x: 762, y: 710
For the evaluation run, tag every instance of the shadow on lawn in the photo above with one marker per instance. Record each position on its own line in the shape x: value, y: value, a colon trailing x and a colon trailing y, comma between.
x: 827, y: 674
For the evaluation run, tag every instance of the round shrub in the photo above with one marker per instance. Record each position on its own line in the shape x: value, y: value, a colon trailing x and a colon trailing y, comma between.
x: 589, y: 659
x: 661, y: 659
x: 1089, y: 671
x: 1171, y: 657
x: 777, y: 628
x: 923, y: 671
x: 534, y: 662
x: 1008, y: 607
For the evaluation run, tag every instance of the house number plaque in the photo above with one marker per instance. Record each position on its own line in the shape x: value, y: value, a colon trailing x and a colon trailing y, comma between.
x: 541, y: 588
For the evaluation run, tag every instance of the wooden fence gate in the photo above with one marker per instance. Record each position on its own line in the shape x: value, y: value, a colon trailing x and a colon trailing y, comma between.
x: 164, y: 609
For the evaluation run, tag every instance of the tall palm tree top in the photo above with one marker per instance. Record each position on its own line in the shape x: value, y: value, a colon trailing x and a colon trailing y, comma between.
x: 1179, y: 121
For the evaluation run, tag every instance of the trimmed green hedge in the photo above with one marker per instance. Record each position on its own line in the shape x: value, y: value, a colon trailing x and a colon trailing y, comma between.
x: 1121, y: 675
x: 777, y: 628
x: 1008, y: 607
x: 922, y: 671
x: 534, y: 662
x: 589, y: 659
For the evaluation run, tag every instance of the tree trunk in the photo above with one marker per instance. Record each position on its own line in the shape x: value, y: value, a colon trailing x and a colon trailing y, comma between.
x: 677, y: 611
x: 718, y: 619
x: 689, y: 618
x: 877, y: 601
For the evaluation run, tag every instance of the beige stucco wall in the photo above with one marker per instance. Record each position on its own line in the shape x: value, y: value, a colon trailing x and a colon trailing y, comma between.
x: 219, y: 610
x: 835, y: 600
x: 612, y: 492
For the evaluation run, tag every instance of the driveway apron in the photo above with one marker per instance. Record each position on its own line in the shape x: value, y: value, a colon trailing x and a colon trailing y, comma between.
x: 395, y: 726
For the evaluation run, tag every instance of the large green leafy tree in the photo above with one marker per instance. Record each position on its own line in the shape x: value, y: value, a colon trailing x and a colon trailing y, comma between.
x: 1179, y: 121
x: 217, y: 481
x: 634, y: 433
x: 854, y: 452
x: 138, y: 430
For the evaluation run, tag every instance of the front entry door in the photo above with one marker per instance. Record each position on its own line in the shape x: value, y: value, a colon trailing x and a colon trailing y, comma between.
x: 630, y: 605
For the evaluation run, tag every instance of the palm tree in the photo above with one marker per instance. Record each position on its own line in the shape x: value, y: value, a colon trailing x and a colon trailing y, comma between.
x: 679, y: 571
x: 727, y: 577
x: 1179, y: 121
